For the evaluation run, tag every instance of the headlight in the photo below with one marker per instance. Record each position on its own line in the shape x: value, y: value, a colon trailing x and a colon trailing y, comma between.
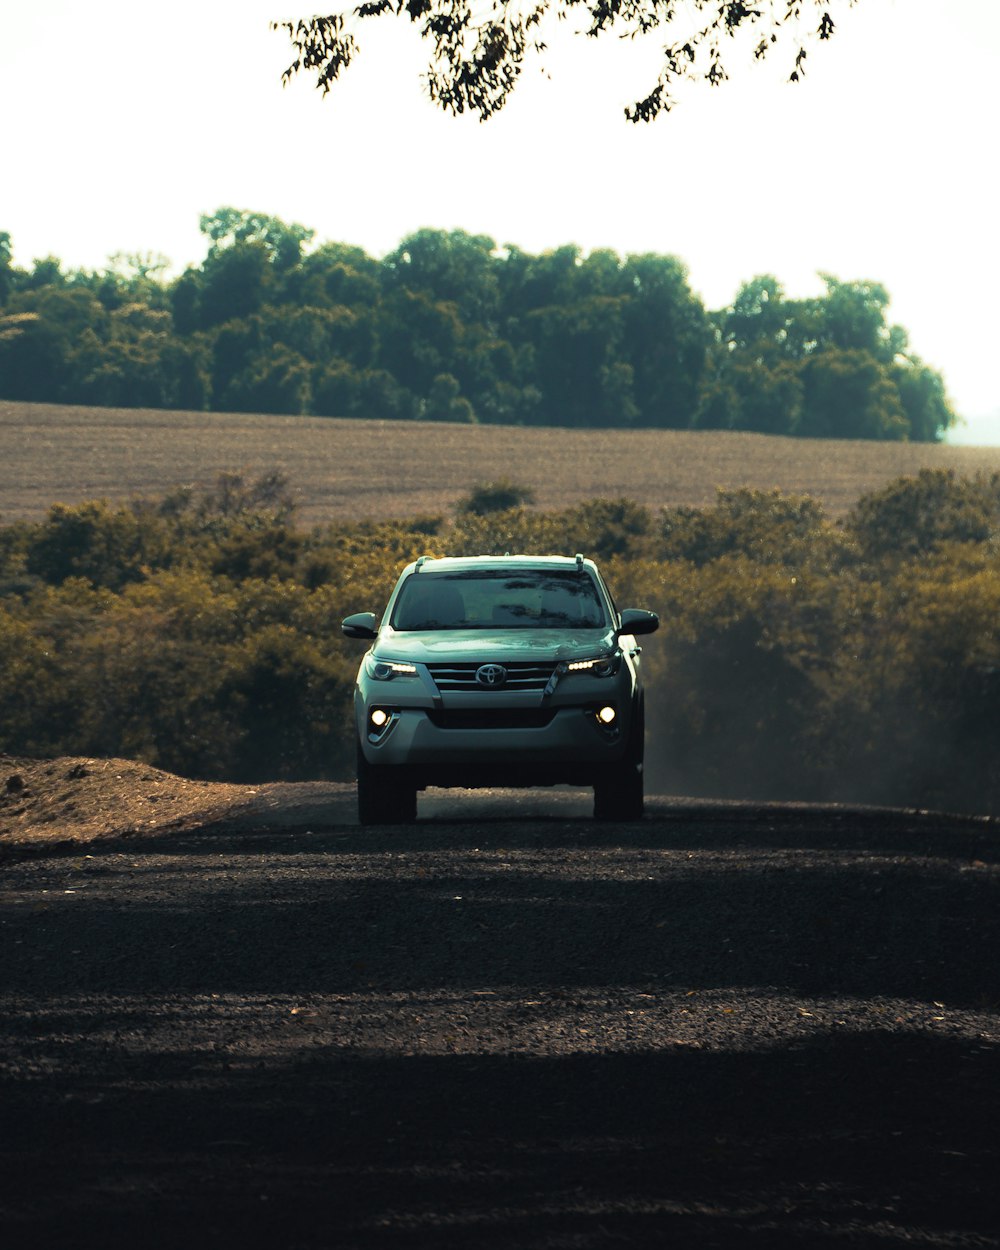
x: 386, y: 670
x: 599, y: 666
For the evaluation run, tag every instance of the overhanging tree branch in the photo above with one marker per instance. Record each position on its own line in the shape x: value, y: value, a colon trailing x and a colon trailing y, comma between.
x: 480, y: 49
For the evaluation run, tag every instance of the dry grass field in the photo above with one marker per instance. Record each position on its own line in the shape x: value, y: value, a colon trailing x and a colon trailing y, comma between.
x: 344, y: 468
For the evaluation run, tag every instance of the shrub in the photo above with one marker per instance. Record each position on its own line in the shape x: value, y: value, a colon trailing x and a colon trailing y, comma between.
x: 768, y: 527
x: 499, y: 496
x: 795, y: 659
x: 914, y: 515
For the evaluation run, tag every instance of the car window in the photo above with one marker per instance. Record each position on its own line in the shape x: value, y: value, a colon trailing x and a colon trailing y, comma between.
x: 498, y: 599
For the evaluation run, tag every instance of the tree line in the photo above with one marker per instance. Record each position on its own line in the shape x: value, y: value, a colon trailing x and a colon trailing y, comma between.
x: 797, y: 659
x: 450, y: 327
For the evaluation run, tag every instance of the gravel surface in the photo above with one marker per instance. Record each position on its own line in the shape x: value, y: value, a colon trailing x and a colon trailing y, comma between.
x: 726, y: 1026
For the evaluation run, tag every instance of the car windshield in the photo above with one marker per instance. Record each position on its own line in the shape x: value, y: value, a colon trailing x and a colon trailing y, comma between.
x: 498, y: 599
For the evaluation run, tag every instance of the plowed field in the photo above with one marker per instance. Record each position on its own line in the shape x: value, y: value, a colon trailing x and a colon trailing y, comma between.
x: 342, y: 468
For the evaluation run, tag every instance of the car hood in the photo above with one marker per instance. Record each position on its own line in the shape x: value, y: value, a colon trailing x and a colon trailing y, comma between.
x: 442, y: 646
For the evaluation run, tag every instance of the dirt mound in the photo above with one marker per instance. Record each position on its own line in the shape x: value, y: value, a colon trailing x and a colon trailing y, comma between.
x: 79, y: 800
x: 83, y: 799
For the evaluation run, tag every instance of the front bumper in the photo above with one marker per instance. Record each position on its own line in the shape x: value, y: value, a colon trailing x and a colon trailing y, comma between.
x: 470, y: 740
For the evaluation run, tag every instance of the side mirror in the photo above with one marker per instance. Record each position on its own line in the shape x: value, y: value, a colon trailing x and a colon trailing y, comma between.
x: 360, y: 625
x: 638, y: 621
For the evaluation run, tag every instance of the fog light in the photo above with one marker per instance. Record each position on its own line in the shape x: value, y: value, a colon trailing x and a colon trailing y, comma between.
x: 379, y: 718
x: 607, y: 715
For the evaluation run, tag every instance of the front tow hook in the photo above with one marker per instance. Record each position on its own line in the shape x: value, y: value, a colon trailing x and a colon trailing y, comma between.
x: 553, y: 681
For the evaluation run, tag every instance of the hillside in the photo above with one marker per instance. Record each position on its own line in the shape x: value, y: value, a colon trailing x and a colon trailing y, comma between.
x: 353, y: 468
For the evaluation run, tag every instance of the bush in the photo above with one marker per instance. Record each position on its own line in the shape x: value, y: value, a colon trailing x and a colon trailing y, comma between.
x: 796, y: 659
x: 499, y: 496
x: 914, y: 515
x: 766, y: 526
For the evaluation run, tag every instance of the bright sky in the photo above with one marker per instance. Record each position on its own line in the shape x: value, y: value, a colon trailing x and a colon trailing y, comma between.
x: 123, y: 122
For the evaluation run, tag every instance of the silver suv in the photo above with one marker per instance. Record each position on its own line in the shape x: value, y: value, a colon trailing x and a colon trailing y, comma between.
x: 499, y: 671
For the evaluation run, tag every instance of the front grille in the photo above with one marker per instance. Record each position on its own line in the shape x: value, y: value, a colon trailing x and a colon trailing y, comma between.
x: 491, y: 718
x: 520, y: 676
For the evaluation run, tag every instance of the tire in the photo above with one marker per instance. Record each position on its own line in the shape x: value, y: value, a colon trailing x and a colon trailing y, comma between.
x: 618, y: 791
x: 618, y: 795
x: 384, y: 795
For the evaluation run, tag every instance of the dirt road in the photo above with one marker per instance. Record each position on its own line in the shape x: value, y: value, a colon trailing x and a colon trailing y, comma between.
x: 726, y: 1026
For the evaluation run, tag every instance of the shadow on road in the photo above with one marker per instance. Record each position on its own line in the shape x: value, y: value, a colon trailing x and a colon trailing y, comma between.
x: 856, y: 1143
x: 720, y: 904
x: 159, y: 1084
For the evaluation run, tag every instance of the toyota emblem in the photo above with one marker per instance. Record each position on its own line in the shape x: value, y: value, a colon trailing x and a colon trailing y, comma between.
x: 491, y: 675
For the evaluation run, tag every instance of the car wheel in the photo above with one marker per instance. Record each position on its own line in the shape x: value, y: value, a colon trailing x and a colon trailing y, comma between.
x: 618, y: 790
x: 384, y: 796
x: 618, y: 795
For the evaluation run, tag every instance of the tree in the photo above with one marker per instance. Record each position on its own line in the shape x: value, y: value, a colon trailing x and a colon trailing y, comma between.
x: 759, y: 313
x: 273, y: 381
x: 759, y: 398
x: 138, y: 362
x: 830, y: 366
x: 47, y: 271
x: 479, y: 51
x: 185, y: 301
x: 6, y: 265
x: 448, y: 266
x: 282, y: 241
x: 529, y: 282
x: 132, y: 278
x: 850, y: 394
x: 666, y: 336
x: 419, y: 338
x: 925, y: 402
x: 234, y: 284
x: 335, y: 273
x: 38, y: 335
x: 853, y: 319
x: 446, y: 402
x: 577, y: 350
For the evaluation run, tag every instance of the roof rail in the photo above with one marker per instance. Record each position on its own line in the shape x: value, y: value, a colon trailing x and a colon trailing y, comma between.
x: 420, y: 561
x: 579, y: 560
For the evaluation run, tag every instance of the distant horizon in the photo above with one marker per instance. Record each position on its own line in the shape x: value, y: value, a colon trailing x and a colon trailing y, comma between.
x: 965, y: 435
x: 982, y: 430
